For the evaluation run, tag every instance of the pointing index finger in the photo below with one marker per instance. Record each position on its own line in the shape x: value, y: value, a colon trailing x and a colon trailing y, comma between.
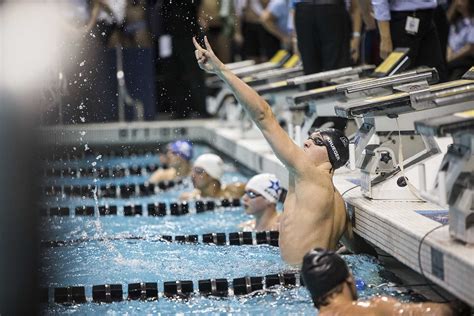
x: 198, y: 47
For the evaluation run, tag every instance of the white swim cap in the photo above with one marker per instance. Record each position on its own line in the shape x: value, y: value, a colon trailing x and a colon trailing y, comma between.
x: 212, y: 164
x: 267, y: 185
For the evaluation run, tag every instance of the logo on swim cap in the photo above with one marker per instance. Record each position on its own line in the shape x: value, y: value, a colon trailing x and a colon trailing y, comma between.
x: 333, y: 148
x: 337, y: 146
x: 275, y: 187
x: 267, y: 185
x: 344, y: 140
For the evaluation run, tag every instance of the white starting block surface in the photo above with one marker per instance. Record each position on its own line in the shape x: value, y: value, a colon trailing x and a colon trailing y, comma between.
x: 393, y: 226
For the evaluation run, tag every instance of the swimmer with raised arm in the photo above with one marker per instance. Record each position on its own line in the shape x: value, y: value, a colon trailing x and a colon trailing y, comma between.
x: 314, y: 211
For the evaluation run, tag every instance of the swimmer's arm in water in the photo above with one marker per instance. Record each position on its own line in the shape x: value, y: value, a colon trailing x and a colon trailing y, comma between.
x: 248, y: 225
x: 162, y: 175
x: 195, y: 194
x: 234, y: 190
x: 391, y: 306
x: 285, y: 149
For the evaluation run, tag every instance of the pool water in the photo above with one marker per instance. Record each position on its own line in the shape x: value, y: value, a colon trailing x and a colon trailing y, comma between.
x: 124, y: 261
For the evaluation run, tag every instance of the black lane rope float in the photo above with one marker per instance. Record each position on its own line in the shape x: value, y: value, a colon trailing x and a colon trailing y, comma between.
x: 118, y: 171
x: 109, y: 190
x: 149, y: 291
x: 91, y: 154
x: 153, y: 209
x: 221, y: 239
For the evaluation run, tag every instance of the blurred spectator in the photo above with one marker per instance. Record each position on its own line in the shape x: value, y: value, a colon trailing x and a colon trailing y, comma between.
x: 323, y: 31
x: 460, y: 52
x: 256, y: 43
x: 275, y: 20
x: 370, y: 35
x: 135, y: 31
x: 442, y: 25
x: 217, y: 20
x: 107, y: 18
x: 355, y: 43
x: 410, y: 24
x: 185, y: 93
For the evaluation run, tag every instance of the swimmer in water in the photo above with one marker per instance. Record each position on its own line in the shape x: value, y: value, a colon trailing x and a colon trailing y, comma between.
x: 262, y: 193
x: 178, y: 157
x: 206, y: 177
x: 333, y: 291
x: 314, y: 212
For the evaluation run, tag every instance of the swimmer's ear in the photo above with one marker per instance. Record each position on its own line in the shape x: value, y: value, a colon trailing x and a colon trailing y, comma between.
x: 350, y: 278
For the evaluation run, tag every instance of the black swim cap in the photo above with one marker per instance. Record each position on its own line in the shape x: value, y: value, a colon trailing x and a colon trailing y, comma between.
x: 322, y: 271
x: 337, y: 144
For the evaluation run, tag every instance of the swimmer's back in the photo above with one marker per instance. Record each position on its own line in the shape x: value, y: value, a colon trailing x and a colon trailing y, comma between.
x: 387, y: 306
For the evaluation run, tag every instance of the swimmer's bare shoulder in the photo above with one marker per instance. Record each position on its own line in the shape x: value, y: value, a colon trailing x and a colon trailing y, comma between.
x: 248, y: 225
x: 163, y: 175
x: 381, y: 306
x: 234, y: 190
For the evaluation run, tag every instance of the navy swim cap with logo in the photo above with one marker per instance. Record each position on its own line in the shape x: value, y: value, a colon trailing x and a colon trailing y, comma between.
x: 337, y: 145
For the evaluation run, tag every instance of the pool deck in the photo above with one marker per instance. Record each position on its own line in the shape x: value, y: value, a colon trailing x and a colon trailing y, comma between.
x: 393, y: 226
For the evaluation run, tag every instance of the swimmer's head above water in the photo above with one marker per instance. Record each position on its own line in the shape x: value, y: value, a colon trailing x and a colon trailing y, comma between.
x: 266, y: 185
x: 335, y: 143
x: 207, y: 169
x: 181, y: 148
x: 324, y: 273
x: 262, y: 193
x: 179, y: 153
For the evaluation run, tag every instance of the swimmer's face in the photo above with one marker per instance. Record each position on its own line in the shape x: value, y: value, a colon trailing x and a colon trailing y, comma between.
x: 315, y: 148
x: 174, y: 160
x: 201, y: 180
x: 254, y: 203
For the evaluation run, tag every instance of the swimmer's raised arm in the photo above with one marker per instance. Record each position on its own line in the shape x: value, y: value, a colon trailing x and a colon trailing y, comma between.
x: 258, y: 109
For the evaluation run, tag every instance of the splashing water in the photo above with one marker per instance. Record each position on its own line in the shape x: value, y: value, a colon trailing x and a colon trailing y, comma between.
x: 99, y: 230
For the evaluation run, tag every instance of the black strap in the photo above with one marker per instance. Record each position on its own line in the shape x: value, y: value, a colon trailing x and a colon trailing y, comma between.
x: 321, y: 2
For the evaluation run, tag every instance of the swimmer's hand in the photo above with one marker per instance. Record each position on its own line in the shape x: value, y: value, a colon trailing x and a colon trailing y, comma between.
x: 247, y: 226
x: 195, y: 194
x: 206, y: 58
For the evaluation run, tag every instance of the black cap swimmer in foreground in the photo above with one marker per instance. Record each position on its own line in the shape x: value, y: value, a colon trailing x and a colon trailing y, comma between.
x: 333, y: 291
x: 314, y: 211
